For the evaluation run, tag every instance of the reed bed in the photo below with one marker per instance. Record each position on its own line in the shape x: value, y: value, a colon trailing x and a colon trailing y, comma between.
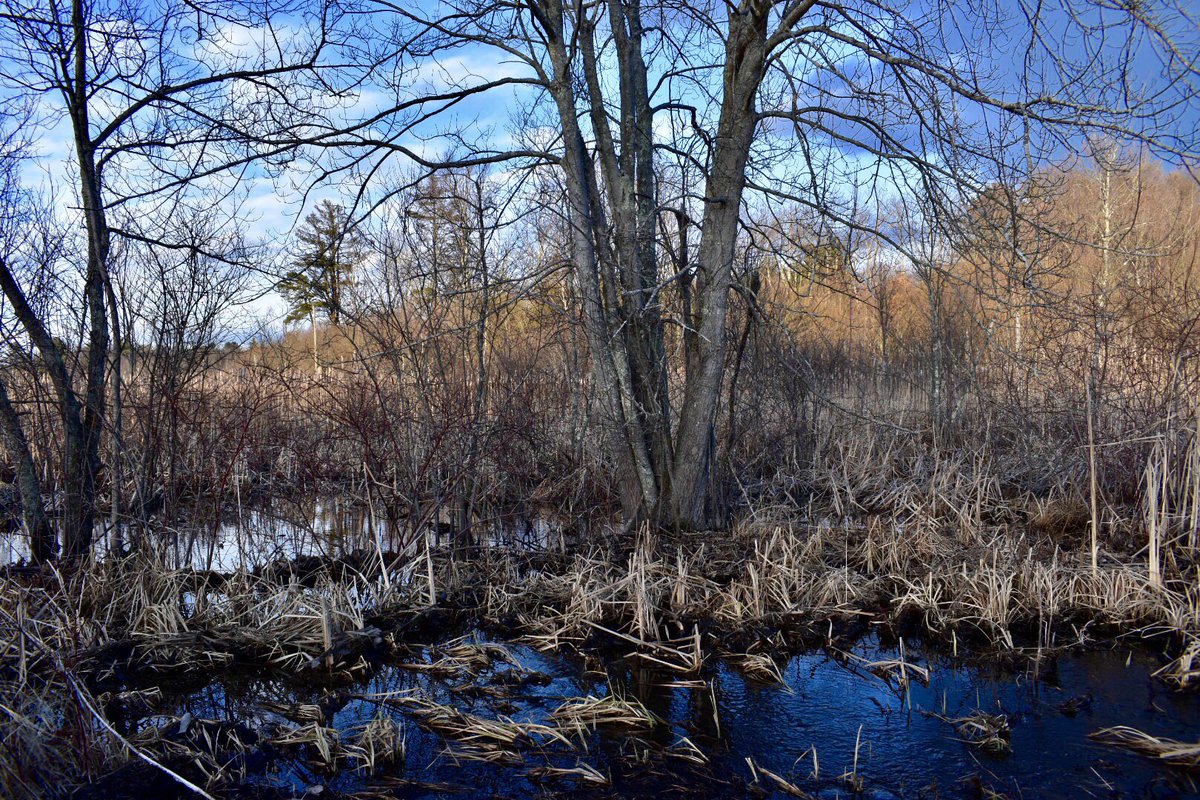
x: 955, y: 558
x: 41, y: 696
x: 64, y: 636
x: 210, y: 752
x: 994, y: 588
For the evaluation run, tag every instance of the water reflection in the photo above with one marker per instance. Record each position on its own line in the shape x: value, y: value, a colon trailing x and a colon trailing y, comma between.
x: 323, y: 528
x: 905, y: 747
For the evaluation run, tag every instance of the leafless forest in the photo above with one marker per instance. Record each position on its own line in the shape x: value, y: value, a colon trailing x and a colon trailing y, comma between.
x: 715, y: 334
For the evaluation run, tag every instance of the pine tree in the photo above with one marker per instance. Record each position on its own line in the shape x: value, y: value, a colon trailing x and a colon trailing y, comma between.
x: 322, y: 271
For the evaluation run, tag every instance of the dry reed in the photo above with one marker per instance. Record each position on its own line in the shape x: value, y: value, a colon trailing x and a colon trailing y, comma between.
x: 1168, y: 751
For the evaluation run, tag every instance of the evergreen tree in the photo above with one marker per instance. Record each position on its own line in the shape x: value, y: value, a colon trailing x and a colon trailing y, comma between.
x: 329, y: 250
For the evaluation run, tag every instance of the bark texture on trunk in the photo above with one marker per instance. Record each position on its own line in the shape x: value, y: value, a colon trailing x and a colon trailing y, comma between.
x: 745, y: 61
x: 83, y: 442
x: 664, y: 462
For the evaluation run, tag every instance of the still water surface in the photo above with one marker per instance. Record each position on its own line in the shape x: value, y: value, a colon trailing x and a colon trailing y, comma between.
x: 827, y: 702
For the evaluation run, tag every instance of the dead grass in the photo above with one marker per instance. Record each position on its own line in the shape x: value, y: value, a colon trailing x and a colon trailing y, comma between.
x: 951, y: 553
x: 302, y: 713
x: 758, y: 666
x: 477, y: 738
x: 1168, y: 751
x: 1183, y: 671
x: 324, y: 742
x: 994, y: 586
x: 990, y: 732
x: 780, y: 783
x: 379, y: 744
x: 587, y: 713
x: 581, y: 773
x: 462, y: 658
x: 899, y: 671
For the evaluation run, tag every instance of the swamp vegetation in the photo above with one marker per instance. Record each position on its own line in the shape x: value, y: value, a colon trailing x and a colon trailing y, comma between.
x: 786, y: 398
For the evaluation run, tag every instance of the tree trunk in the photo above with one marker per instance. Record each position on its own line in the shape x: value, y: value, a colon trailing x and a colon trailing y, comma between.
x: 664, y: 469
x: 744, y: 65
x: 43, y: 544
x: 623, y: 432
x: 76, y: 507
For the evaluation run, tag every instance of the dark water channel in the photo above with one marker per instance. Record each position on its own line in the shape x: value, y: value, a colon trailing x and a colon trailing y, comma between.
x: 829, y: 702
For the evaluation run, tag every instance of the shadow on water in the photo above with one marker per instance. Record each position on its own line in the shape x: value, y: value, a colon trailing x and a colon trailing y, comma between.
x: 806, y: 730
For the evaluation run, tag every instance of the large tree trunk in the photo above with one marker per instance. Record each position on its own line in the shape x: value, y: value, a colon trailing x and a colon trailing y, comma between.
x: 695, y: 439
x: 665, y: 470
x: 82, y: 451
x: 615, y: 374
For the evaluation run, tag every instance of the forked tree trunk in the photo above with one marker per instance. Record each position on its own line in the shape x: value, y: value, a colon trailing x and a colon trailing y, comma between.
x: 665, y: 466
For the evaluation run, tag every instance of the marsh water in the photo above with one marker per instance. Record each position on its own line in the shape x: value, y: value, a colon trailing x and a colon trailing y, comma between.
x: 834, y: 727
x: 831, y: 729
x: 322, y: 527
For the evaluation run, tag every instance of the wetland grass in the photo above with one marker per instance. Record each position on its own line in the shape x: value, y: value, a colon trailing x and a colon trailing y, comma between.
x: 672, y: 603
x: 1177, y: 754
x: 587, y: 713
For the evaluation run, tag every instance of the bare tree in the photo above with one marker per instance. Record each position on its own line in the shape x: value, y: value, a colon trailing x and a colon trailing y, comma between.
x: 756, y: 102
x: 15, y: 220
x: 175, y: 308
x: 155, y: 98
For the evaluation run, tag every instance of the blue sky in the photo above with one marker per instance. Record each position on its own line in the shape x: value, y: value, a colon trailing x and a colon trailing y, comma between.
x: 272, y: 203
